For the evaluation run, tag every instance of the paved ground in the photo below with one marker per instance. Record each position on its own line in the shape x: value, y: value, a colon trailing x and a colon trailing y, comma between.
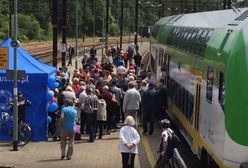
x: 100, y: 154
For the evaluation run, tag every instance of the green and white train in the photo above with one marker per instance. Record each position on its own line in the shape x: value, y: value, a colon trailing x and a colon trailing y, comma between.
x: 205, y: 61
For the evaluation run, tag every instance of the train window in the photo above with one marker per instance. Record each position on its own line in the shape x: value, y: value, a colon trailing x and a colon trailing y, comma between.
x: 186, y: 41
x: 175, y: 39
x: 205, y: 42
x: 196, y: 42
x: 192, y: 39
x: 183, y: 41
x: 181, y: 38
x: 179, y: 33
x: 210, y: 84
x: 221, y: 96
x: 184, y: 31
x: 202, y: 40
x: 211, y: 32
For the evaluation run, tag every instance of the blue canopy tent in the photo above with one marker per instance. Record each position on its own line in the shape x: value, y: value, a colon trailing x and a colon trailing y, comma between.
x: 33, y: 88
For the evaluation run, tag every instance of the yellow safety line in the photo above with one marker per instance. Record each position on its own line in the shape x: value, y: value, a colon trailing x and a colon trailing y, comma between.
x: 148, y: 150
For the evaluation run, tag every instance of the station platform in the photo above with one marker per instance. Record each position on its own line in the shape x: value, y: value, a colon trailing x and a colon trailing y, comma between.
x: 102, y: 153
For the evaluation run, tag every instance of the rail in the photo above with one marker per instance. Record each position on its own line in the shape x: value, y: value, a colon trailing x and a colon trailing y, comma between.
x: 43, y: 51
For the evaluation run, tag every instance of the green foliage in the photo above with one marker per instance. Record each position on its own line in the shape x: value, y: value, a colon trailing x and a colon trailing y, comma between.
x: 34, y: 16
x: 29, y: 27
x: 4, y: 19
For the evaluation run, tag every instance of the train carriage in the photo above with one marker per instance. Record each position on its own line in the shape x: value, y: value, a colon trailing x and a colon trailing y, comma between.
x: 206, y: 60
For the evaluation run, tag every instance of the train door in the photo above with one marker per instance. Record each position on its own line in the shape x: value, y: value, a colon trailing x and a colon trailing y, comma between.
x: 197, y: 105
x: 197, y: 102
x: 167, y: 68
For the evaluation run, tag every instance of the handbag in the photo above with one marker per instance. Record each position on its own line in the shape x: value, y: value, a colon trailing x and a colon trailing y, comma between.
x: 77, y: 129
x: 77, y: 132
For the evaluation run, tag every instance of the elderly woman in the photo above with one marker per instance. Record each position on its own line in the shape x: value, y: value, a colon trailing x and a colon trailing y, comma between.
x: 129, y: 139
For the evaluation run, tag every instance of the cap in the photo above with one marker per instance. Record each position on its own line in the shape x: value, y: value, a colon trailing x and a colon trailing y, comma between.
x: 165, y: 123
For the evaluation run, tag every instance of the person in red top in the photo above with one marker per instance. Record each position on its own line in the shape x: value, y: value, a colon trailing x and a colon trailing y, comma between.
x: 75, y: 85
x: 131, y: 69
x: 82, y: 73
x: 125, y: 57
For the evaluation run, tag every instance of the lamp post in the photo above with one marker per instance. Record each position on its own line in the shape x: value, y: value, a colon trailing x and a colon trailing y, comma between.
x: 55, y: 31
x: 76, y: 63
x: 93, y: 15
x: 136, y: 21
x: 14, y: 44
x: 10, y: 13
x: 84, y: 23
x: 107, y: 22
x: 141, y: 21
x: 102, y: 28
x: 64, y: 28
x: 121, y: 24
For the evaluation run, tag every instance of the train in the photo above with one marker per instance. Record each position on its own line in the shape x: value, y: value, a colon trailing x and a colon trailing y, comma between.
x: 203, y: 59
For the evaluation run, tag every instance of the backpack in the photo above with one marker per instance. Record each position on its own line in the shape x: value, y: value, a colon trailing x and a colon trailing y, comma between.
x: 175, y: 141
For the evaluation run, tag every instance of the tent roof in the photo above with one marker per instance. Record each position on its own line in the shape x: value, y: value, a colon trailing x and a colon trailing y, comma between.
x: 25, y: 61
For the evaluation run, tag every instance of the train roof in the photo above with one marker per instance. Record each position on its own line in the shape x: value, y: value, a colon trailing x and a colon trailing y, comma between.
x: 211, y: 19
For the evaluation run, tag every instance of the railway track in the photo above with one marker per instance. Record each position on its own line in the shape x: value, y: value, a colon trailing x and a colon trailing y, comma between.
x: 43, y: 51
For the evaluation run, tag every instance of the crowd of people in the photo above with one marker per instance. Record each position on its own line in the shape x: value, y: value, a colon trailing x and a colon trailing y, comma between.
x: 102, y: 94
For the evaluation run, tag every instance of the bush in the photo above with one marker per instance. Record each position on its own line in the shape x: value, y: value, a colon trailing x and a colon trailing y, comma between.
x: 29, y: 28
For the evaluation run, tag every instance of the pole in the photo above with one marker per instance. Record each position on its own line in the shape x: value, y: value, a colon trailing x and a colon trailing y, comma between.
x: 121, y: 24
x: 102, y: 28
x: 160, y: 9
x: 10, y: 13
x: 194, y: 6
x: 229, y: 2
x: 130, y: 24
x: 84, y: 14
x: 55, y: 30
x: 76, y: 63
x: 118, y: 18
x: 136, y: 22
x: 93, y: 15
x: 64, y: 25
x: 186, y: 5
x: 181, y: 6
x: 224, y: 4
x: 107, y: 22
x: 15, y: 89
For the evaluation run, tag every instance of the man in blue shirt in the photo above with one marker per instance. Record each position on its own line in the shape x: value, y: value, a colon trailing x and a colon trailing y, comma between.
x: 68, y: 117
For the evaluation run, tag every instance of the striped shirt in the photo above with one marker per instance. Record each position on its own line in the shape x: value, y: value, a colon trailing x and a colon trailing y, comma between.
x: 91, y: 103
